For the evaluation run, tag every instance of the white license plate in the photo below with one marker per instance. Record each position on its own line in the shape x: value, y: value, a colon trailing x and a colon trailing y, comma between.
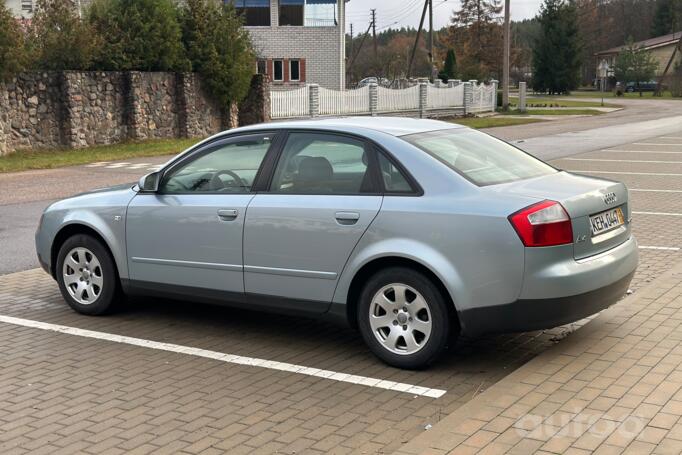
x: 605, y: 221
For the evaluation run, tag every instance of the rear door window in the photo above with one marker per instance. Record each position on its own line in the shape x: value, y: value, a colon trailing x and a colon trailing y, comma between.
x: 319, y: 163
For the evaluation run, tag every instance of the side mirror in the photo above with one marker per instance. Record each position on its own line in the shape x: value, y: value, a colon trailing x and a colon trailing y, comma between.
x: 150, y: 182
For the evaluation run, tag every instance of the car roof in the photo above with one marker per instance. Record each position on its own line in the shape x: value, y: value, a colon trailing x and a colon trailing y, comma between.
x: 395, y: 126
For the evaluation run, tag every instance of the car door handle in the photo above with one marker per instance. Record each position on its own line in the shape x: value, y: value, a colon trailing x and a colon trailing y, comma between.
x: 347, y: 217
x: 228, y: 214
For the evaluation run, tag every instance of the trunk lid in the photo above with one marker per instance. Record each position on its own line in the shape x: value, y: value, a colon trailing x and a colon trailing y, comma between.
x: 583, y: 197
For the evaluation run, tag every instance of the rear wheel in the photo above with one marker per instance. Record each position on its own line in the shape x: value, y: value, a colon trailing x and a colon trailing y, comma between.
x: 403, y: 318
x: 87, y: 276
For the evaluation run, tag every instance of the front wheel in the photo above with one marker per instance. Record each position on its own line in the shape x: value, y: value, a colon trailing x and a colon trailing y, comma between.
x: 86, y: 275
x: 403, y: 318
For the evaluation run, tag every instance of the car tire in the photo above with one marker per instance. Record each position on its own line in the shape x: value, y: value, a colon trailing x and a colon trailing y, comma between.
x: 403, y: 318
x: 87, y: 275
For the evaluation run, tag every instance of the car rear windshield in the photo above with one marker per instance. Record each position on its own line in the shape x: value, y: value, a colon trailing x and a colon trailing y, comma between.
x: 478, y: 157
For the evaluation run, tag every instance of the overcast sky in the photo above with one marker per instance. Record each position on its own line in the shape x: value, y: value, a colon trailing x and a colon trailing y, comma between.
x: 397, y: 13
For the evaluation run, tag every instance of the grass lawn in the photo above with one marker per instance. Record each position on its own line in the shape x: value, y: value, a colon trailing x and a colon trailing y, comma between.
x: 46, y: 159
x: 666, y: 95
x: 551, y: 101
x: 492, y: 122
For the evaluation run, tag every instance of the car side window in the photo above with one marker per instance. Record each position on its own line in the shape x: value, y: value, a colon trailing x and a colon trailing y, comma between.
x: 393, y: 179
x: 220, y: 168
x: 318, y: 163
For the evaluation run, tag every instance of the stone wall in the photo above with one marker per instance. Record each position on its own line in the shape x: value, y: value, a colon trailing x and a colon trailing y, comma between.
x: 256, y: 106
x: 31, y: 114
x: 81, y: 109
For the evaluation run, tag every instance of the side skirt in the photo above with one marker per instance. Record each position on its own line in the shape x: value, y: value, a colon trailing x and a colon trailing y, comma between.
x: 336, y: 313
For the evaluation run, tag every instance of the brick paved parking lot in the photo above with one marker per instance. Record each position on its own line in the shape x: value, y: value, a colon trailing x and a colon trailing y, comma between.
x: 87, y: 392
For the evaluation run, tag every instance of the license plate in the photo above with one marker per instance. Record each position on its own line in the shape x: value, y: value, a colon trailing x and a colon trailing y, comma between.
x: 605, y: 221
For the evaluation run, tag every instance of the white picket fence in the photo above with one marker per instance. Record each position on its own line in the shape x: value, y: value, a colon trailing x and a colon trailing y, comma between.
x: 312, y: 100
x: 389, y: 100
x: 443, y: 97
x: 334, y: 102
x: 290, y: 103
x: 483, y: 98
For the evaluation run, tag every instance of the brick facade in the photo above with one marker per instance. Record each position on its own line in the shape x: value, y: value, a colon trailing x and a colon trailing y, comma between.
x: 321, y: 50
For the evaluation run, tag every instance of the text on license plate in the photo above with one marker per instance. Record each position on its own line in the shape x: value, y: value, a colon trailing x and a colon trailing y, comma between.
x: 605, y: 221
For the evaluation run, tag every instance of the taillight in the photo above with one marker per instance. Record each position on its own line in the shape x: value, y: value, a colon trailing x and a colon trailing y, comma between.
x: 543, y: 224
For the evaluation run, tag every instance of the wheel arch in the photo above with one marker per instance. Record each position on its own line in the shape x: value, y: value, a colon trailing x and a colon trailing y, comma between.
x: 69, y: 230
x: 369, y: 268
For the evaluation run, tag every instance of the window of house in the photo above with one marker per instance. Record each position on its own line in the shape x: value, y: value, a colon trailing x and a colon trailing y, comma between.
x: 311, y: 13
x: 261, y: 66
x: 278, y: 70
x: 320, y: 13
x: 291, y: 12
x: 255, y: 12
x: 27, y: 6
x: 294, y: 70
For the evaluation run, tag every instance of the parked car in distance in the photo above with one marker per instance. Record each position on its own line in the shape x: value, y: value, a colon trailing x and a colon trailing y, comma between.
x: 412, y: 231
x: 368, y: 81
x: 648, y: 86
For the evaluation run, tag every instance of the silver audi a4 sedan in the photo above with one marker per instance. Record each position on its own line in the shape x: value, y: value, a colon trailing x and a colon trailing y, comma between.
x: 412, y: 231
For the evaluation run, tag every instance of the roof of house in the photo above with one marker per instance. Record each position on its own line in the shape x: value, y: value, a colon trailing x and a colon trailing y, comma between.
x: 647, y: 44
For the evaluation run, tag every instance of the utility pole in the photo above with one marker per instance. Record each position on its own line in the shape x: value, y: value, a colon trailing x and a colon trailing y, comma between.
x: 374, y: 34
x: 362, y: 42
x: 416, y: 40
x: 350, y: 54
x: 351, y: 41
x: 505, y: 63
x: 431, y: 40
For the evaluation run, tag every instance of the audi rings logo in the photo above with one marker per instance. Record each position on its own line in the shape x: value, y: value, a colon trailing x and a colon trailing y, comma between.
x: 610, y: 198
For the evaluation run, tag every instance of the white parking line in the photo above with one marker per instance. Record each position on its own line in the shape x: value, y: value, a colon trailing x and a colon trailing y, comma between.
x: 655, y: 143
x: 639, y: 151
x: 670, y: 137
x: 659, y: 248
x: 229, y: 358
x: 117, y: 165
x: 658, y: 213
x: 622, y: 161
x: 654, y: 191
x: 622, y: 173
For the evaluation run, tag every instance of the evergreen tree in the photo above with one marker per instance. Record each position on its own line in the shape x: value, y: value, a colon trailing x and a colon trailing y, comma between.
x: 665, y: 18
x: 557, y: 49
x: 449, y: 67
x: 12, y: 51
x: 141, y: 35
x: 59, y: 40
x: 219, y: 49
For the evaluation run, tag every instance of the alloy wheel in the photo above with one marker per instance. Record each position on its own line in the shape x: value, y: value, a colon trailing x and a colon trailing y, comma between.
x: 82, y: 275
x: 400, y: 319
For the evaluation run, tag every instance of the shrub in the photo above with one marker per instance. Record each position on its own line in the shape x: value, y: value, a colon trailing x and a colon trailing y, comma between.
x: 142, y: 35
x: 59, y: 40
x: 12, y: 51
x: 219, y: 49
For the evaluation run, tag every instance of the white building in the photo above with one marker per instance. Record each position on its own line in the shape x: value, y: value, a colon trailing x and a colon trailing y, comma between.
x: 25, y: 8
x: 298, y: 41
x: 21, y: 8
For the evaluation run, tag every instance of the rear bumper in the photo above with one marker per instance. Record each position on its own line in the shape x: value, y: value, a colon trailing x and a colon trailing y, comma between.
x: 606, y: 278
